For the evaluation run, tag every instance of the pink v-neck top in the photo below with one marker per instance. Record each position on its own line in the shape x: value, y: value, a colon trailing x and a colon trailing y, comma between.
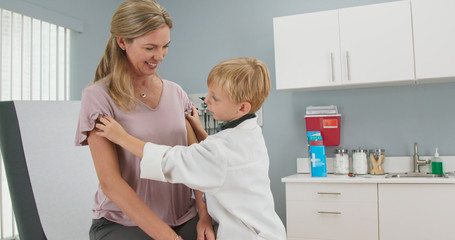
x: 165, y: 124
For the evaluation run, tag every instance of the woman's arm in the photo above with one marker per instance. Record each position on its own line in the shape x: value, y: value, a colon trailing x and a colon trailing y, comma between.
x: 114, y: 186
x: 112, y: 130
x: 204, y: 226
x: 191, y: 136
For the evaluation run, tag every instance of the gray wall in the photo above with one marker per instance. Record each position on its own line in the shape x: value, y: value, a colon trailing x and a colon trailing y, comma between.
x: 206, y: 32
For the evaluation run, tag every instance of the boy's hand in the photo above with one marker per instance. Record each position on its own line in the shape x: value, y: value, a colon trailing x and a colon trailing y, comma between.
x: 193, y: 118
x: 110, y: 129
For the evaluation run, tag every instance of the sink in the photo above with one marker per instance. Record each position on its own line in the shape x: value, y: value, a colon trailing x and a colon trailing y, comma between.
x: 414, y: 174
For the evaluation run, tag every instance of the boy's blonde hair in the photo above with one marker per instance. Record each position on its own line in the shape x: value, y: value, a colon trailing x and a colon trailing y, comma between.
x: 244, y: 79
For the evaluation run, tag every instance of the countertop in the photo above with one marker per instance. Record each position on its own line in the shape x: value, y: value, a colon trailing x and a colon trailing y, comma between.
x: 334, y: 178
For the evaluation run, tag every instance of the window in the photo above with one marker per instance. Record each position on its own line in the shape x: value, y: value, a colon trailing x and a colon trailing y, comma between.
x: 33, y: 66
x: 34, y: 59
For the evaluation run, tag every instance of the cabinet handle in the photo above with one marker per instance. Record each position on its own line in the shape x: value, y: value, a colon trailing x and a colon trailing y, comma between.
x: 348, y: 65
x: 327, y: 212
x: 332, y: 67
x: 329, y: 193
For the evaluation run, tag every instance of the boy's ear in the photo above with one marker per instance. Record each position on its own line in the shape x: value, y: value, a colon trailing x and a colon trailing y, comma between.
x: 245, y: 108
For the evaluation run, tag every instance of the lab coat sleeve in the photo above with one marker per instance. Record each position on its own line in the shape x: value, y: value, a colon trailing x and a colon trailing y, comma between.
x: 200, y: 166
x: 151, y: 161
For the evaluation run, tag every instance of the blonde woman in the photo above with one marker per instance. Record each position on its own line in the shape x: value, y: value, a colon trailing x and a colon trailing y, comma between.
x: 128, y: 88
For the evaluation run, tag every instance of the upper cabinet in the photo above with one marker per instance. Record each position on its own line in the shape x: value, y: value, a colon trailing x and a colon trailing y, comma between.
x: 434, y: 39
x: 351, y: 47
x: 307, y: 50
x: 376, y: 43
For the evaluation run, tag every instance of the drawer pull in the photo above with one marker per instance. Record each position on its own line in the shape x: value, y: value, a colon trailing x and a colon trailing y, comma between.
x: 329, y: 193
x: 326, y: 212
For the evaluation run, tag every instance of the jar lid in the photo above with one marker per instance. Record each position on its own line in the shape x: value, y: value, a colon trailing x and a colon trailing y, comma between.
x: 377, y: 150
x: 341, y: 150
x: 359, y: 150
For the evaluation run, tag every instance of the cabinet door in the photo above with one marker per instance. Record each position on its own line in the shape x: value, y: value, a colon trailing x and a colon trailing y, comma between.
x: 434, y: 38
x: 416, y: 211
x: 307, y: 50
x: 376, y: 43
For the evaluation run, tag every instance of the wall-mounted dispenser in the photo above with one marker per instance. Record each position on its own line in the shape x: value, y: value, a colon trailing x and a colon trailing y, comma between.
x: 325, y: 119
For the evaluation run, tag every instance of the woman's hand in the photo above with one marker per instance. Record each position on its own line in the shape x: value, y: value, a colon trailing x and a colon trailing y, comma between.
x: 110, y: 129
x: 205, y: 229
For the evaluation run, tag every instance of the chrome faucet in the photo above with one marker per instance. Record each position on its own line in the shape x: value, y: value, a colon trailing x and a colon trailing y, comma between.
x: 417, y: 161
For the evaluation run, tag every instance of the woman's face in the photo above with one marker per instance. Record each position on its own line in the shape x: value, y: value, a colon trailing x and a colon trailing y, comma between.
x: 146, y: 52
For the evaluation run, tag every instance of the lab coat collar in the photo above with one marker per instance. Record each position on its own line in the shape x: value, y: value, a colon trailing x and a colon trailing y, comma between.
x: 236, y: 122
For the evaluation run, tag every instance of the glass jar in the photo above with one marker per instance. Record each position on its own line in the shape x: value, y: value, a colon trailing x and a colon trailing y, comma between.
x: 341, y: 164
x: 377, y: 158
x: 359, y: 161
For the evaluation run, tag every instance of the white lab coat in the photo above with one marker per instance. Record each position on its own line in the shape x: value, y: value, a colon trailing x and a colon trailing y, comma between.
x: 231, y: 167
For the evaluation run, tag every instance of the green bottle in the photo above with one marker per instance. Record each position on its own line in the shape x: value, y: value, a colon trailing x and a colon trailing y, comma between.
x: 436, y: 163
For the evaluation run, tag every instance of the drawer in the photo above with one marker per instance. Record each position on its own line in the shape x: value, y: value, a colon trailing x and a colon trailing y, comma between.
x: 327, y: 192
x: 330, y: 220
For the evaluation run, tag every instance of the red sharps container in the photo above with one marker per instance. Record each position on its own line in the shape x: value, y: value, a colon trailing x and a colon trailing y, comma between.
x: 325, y: 119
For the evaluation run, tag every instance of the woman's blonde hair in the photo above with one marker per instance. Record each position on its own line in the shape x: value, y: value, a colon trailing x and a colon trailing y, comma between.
x: 244, y: 79
x: 132, y: 19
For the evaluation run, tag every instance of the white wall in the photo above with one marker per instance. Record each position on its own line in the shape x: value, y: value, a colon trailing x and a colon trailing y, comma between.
x: 62, y: 175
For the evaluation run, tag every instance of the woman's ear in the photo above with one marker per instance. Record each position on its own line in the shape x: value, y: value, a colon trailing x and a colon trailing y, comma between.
x: 245, y: 108
x: 121, y: 42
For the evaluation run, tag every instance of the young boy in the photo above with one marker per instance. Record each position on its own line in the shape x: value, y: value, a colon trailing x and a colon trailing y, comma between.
x: 232, y: 166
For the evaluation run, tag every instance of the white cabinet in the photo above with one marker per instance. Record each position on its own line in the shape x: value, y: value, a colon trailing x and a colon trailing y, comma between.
x: 376, y: 43
x: 434, y: 38
x: 416, y: 211
x: 369, y: 207
x: 351, y: 47
x: 331, y: 211
x: 307, y: 50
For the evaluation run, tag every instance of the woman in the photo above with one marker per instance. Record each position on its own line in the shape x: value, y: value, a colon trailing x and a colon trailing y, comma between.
x: 127, y: 88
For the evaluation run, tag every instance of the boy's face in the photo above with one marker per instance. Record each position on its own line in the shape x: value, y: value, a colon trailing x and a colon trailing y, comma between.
x: 221, y: 105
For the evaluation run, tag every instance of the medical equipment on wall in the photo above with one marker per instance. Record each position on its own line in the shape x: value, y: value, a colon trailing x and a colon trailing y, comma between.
x: 211, y: 125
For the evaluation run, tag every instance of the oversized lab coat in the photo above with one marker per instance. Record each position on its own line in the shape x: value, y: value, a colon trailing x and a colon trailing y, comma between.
x: 231, y: 167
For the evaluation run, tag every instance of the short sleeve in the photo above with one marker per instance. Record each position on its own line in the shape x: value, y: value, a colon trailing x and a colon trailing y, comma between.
x: 188, y: 105
x: 95, y: 102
